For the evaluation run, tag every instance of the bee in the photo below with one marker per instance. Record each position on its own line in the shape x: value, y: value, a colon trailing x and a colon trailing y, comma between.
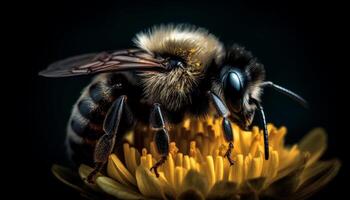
x: 175, y: 70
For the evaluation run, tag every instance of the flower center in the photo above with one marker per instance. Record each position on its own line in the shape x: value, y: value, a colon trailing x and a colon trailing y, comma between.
x: 199, y: 145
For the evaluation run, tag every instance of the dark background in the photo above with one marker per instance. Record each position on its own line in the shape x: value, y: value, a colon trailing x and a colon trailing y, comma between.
x: 295, y: 41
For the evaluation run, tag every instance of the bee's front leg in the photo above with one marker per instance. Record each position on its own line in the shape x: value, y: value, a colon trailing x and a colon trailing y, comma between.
x: 226, y: 124
x: 105, y: 144
x: 161, y: 137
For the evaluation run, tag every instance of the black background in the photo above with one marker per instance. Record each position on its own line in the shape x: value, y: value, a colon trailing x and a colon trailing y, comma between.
x: 295, y: 41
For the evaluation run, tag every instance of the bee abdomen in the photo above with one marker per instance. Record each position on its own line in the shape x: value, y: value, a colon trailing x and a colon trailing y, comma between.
x: 86, y: 122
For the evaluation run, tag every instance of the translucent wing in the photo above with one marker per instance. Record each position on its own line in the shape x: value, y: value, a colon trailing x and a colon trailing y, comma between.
x: 129, y: 59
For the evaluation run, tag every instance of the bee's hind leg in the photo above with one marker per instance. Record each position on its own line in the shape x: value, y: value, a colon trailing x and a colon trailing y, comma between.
x: 226, y: 124
x: 161, y: 137
x: 105, y: 144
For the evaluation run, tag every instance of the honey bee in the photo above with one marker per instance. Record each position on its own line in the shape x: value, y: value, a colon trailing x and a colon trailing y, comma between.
x: 176, y: 70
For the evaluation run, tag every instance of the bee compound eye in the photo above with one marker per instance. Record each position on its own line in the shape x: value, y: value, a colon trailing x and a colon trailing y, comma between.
x: 234, y: 82
x: 234, y: 87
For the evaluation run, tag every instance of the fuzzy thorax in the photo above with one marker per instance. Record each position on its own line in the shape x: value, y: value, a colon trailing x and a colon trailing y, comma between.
x: 172, y: 90
x: 197, y: 48
x: 195, y: 45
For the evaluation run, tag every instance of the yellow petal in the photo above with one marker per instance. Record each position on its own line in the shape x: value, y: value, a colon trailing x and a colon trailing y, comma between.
x: 254, y: 146
x: 290, y: 158
x: 116, y: 189
x: 299, y: 162
x: 210, y: 172
x: 187, y: 163
x: 315, y: 143
x: 279, y: 138
x: 247, y: 166
x: 130, y: 157
x: 287, y: 185
x: 149, y: 161
x: 255, y: 168
x: 316, y: 176
x: 179, y: 159
x: 219, y: 168
x: 169, y: 169
x: 236, y: 172
x: 117, y: 170
x: 245, y: 141
x: 270, y: 168
x: 193, y: 163
x: 167, y: 189
x: 178, y: 177
x: 84, y: 172
x: 148, y: 184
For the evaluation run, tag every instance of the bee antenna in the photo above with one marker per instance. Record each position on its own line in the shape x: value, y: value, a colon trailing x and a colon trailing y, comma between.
x: 287, y: 92
x: 263, y: 121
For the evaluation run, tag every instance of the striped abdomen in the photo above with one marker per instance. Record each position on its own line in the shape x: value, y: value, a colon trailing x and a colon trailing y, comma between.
x: 85, y: 124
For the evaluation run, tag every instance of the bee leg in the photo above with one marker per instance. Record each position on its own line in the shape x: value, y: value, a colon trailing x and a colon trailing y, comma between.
x: 223, y: 111
x: 228, y: 133
x: 263, y: 121
x: 161, y: 137
x: 105, y: 144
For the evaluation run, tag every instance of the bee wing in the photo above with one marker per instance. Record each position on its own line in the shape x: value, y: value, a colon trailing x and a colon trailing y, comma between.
x: 129, y: 59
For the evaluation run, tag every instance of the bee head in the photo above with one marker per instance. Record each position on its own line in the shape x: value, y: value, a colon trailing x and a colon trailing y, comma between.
x: 240, y: 79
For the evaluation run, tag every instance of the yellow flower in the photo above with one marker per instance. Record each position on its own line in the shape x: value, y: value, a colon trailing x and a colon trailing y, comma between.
x: 197, y: 169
